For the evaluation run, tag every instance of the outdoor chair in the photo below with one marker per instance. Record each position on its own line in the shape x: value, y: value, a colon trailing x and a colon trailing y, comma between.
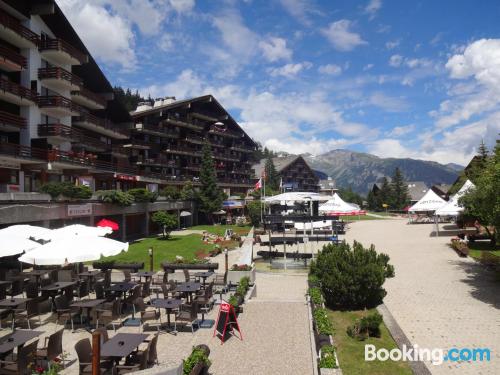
x: 52, y: 348
x: 22, y: 361
x: 221, y: 285
x: 110, y: 315
x: 188, y: 314
x: 188, y: 277
x: 147, y: 313
x: 4, y: 313
x: 206, y: 301
x: 16, y: 288
x: 3, y: 292
x: 146, y: 289
x: 137, y: 361
x: 104, y: 334
x: 169, y: 289
x: 30, y: 312
x: 82, y: 289
x: 153, y: 354
x: 66, y: 275
x: 135, y: 293
x: 99, y: 290
x: 127, y: 276
x: 65, y: 311
x: 31, y: 290
x: 83, y: 350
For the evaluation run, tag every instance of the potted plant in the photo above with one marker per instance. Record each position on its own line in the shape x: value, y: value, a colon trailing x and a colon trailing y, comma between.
x: 238, y: 271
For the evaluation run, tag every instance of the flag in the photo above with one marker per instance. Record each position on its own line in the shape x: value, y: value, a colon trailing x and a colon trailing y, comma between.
x: 258, y: 185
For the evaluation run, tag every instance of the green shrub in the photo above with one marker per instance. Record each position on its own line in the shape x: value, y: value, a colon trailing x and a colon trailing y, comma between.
x: 327, y: 359
x: 233, y: 301
x: 197, y: 356
x: 367, y: 326
x: 245, y: 281
x: 352, y: 278
x: 253, y: 209
x: 143, y: 195
x: 313, y: 280
x: 115, y: 197
x: 170, y: 192
x: 323, y: 323
x: 66, y: 189
x: 168, y: 222
x: 316, y: 296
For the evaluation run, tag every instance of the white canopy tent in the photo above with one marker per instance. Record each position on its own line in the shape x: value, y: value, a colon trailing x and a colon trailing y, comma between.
x: 315, y: 225
x: 430, y: 202
x: 296, y: 196
x: 336, y: 206
x: 452, y: 207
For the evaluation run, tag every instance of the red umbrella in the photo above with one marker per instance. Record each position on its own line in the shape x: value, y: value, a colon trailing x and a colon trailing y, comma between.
x: 108, y: 223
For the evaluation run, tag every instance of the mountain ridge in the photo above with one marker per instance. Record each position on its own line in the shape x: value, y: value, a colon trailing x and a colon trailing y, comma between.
x: 359, y: 170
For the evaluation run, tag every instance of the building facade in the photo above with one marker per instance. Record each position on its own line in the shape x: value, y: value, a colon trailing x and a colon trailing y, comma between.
x: 294, y: 172
x: 168, y: 137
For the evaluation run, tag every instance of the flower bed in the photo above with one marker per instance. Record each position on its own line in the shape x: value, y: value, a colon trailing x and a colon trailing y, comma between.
x: 237, y: 272
x: 460, y: 247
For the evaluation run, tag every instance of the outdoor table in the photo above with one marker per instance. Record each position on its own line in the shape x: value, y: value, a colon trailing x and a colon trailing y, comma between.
x: 121, y: 345
x: 16, y: 339
x: 189, y: 288
x: 145, y: 274
x: 122, y: 287
x: 168, y: 304
x: 37, y: 274
x: 88, y: 304
x: 54, y: 288
x: 3, y: 287
x: 204, y: 276
x: 13, y: 303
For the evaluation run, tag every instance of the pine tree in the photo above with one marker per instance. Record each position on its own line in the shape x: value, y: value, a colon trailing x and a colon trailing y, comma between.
x: 385, y: 194
x: 210, y: 195
x: 373, y: 201
x: 272, y: 176
x: 399, y: 190
x: 482, y: 151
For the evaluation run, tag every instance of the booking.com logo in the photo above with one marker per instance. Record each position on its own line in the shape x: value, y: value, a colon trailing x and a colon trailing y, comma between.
x: 436, y: 356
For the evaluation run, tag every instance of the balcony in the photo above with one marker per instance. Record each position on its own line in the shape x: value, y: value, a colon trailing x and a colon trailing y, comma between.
x: 11, y: 123
x: 182, y: 150
x: 11, y: 61
x: 11, y: 152
x: 59, y: 52
x: 192, y: 167
x: 58, y: 79
x: 241, y: 148
x: 15, y: 93
x: 225, y: 156
x: 137, y: 144
x: 60, y: 132
x: 160, y: 161
x: 58, y: 106
x: 12, y: 31
x: 118, y: 151
x: 88, y: 99
x: 159, y: 130
x: 100, y: 125
x: 225, y: 132
x: 182, y: 124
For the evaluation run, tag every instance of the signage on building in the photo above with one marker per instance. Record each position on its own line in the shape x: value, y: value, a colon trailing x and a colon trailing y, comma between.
x: 80, y: 209
x: 10, y: 165
x: 11, y: 188
x: 125, y: 177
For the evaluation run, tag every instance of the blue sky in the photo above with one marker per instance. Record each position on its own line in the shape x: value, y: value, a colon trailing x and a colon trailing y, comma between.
x: 416, y: 79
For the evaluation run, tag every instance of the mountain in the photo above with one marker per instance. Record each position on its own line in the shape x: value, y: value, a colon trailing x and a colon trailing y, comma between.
x: 360, y: 170
x: 456, y: 167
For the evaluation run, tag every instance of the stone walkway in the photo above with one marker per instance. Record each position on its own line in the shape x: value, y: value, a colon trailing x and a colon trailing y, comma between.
x: 438, y: 299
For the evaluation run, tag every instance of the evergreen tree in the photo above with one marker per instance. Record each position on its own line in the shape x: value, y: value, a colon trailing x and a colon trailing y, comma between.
x: 272, y: 176
x: 373, y: 201
x: 210, y: 195
x: 386, y: 194
x: 399, y: 190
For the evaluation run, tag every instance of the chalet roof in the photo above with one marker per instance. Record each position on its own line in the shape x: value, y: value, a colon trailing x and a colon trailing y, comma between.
x: 280, y: 163
x: 327, y: 184
x: 443, y: 188
x: 417, y: 190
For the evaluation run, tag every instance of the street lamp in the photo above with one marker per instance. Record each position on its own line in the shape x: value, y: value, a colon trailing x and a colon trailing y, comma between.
x: 226, y: 263
x: 150, y: 252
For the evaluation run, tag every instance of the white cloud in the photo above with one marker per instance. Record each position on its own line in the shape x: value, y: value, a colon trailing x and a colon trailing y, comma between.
x: 182, y: 6
x: 300, y: 9
x: 368, y: 67
x: 399, y: 131
x: 108, y: 37
x: 142, y: 13
x: 392, y: 44
x: 166, y: 42
x: 275, y: 49
x: 388, y: 103
x: 373, y: 7
x: 289, y: 70
x: 395, y: 60
x: 330, y: 69
x: 341, y: 37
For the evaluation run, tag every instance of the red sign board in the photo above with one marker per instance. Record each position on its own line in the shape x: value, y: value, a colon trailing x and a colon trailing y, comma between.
x: 226, y: 319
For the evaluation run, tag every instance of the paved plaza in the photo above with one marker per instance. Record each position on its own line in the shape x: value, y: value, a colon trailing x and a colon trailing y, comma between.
x: 438, y: 299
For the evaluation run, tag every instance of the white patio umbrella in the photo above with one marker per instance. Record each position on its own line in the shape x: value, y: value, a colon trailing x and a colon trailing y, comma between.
x: 78, y: 230
x: 74, y: 249
x: 13, y: 244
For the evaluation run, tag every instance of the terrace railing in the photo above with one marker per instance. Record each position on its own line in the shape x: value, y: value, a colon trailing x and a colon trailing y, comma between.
x: 60, y: 101
x: 18, y: 90
x: 13, y: 56
x: 61, y: 45
x: 59, y: 73
x: 103, y: 123
x: 90, y: 95
x: 7, y: 118
x: 14, y: 24
x: 24, y: 152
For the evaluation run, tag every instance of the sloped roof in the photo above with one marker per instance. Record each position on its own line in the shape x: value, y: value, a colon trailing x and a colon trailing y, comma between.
x: 417, y: 190
x: 280, y: 163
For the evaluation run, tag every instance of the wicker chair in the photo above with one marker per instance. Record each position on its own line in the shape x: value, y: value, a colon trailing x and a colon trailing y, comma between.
x: 22, y: 362
x: 52, y: 348
x: 188, y: 314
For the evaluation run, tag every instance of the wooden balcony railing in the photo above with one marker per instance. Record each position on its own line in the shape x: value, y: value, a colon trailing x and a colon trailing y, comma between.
x: 16, y: 150
x: 72, y: 134
x: 13, y: 56
x: 61, y: 45
x: 59, y: 73
x: 90, y: 95
x: 159, y: 129
x: 17, y: 89
x: 53, y: 101
x: 7, y: 118
x: 224, y: 132
x: 103, y: 123
x: 14, y: 24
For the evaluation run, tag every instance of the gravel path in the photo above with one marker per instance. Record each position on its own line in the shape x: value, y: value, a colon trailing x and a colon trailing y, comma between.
x: 438, y: 299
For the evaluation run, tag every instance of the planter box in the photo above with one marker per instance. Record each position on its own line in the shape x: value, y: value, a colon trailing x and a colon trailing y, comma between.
x: 185, y: 266
x: 118, y: 266
x: 234, y: 277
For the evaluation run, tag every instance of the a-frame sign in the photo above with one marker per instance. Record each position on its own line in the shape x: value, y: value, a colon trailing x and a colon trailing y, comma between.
x: 226, y: 319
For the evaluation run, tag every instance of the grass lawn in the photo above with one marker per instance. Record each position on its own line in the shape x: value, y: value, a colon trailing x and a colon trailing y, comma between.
x: 381, y: 213
x: 166, y: 250
x: 351, y: 352
x: 477, y: 248
x: 358, y: 218
x: 220, y: 229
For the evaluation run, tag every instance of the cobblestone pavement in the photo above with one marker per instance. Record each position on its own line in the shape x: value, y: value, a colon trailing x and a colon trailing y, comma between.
x: 438, y: 299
